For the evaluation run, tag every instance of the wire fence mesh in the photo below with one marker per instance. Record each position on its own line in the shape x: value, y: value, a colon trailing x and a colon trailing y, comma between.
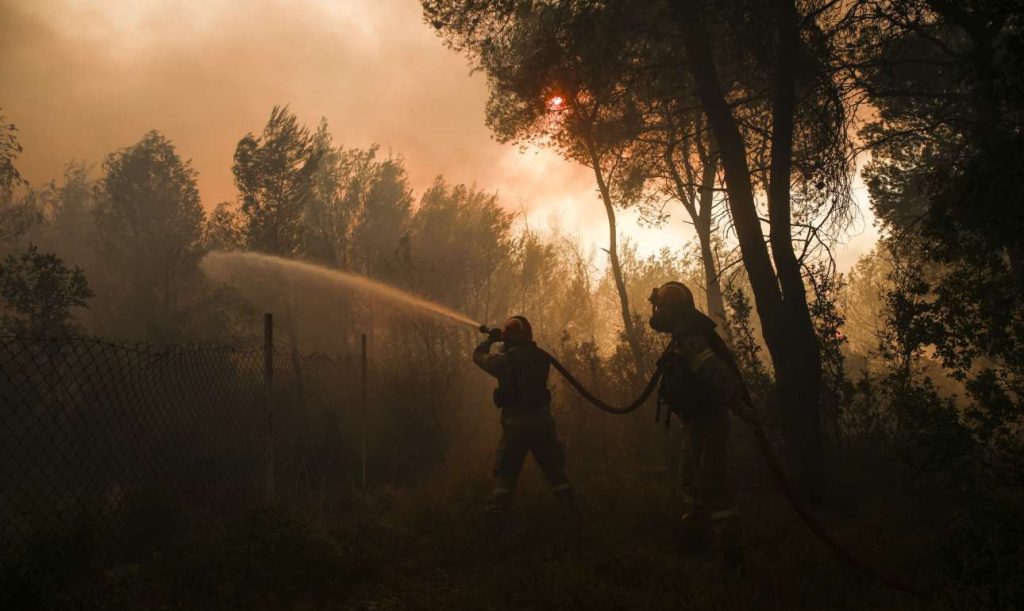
x: 86, y: 424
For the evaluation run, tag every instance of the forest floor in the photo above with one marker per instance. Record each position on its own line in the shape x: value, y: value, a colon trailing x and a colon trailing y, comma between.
x: 430, y: 546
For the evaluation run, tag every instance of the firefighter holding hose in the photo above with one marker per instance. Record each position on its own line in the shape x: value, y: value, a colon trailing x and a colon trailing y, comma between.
x: 696, y: 378
x: 700, y: 384
x: 525, y: 402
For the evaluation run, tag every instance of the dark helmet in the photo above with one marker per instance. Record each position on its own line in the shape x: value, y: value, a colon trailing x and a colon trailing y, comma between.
x: 671, y: 303
x: 517, y: 328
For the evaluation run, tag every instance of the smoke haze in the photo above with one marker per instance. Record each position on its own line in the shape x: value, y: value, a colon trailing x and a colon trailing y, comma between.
x: 83, y: 78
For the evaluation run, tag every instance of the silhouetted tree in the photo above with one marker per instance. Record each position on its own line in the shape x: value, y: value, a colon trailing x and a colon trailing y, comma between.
x: 382, y: 219
x: 16, y: 216
x: 68, y: 218
x: 947, y: 139
x: 38, y: 293
x: 548, y: 86
x: 274, y: 175
x: 341, y: 182
x: 763, y: 76
x: 685, y: 160
x: 461, y: 248
x: 780, y: 48
x: 10, y: 148
x: 224, y: 229
x: 945, y: 178
x: 150, y: 224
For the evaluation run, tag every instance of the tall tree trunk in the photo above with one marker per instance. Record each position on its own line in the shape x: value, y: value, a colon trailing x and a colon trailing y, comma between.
x: 799, y: 380
x: 628, y: 322
x: 712, y: 279
x: 709, y: 159
x: 785, y: 331
x: 700, y: 215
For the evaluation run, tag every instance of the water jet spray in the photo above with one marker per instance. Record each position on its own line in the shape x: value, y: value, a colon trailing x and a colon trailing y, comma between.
x: 229, y: 266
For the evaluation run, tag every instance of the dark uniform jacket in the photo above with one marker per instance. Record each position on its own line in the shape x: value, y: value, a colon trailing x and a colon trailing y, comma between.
x: 522, y: 372
x: 699, y: 374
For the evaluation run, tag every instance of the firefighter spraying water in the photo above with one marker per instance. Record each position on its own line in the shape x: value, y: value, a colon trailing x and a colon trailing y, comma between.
x: 699, y: 383
x: 525, y: 402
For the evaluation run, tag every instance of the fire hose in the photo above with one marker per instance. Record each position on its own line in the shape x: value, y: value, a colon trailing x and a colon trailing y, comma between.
x: 770, y: 457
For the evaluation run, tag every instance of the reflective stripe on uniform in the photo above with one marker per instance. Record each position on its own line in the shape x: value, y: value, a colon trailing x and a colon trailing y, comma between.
x: 700, y: 359
x: 724, y: 514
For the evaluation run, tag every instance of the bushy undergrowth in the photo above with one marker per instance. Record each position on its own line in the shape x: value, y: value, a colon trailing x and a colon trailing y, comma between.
x: 921, y: 486
x: 428, y: 545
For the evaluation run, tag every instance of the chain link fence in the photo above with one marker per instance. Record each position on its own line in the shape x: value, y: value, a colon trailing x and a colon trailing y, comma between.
x: 87, y: 424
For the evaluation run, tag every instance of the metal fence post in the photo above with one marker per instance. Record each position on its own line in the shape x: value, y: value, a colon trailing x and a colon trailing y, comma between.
x: 268, y: 399
x: 364, y: 407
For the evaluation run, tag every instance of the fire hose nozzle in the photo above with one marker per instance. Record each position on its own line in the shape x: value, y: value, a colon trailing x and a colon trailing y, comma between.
x: 493, y: 334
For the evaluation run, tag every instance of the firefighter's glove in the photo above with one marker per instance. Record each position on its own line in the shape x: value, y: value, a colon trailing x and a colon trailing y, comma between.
x: 494, y: 335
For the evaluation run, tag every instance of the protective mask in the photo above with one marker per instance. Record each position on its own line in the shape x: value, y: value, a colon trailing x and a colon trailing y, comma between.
x: 660, y: 321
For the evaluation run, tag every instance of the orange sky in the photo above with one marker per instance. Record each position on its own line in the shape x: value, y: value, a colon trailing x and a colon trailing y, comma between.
x: 81, y: 78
